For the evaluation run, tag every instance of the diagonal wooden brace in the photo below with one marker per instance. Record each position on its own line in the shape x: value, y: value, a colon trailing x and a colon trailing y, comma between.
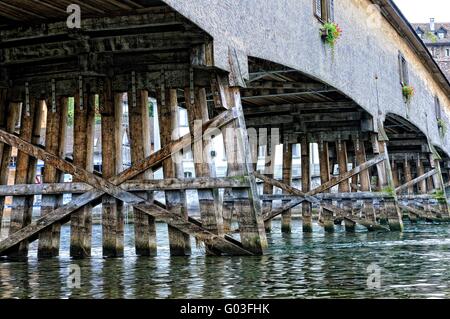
x: 415, y: 181
x: 111, y: 187
x: 322, y: 188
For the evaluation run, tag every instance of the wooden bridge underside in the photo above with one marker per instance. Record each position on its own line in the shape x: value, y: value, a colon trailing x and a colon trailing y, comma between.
x: 153, y: 51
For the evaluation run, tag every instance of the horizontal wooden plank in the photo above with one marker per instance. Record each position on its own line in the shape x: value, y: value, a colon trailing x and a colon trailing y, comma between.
x: 130, y: 186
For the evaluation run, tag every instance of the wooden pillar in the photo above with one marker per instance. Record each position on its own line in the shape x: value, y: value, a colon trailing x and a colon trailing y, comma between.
x: 269, y: 170
x: 22, y: 206
x: 287, y: 179
x: 140, y: 148
x: 368, y: 210
x: 395, y: 174
x: 81, y: 220
x: 112, y: 209
x: 408, y: 176
x: 344, y: 187
x: 439, y: 185
x: 251, y: 225
x: 306, y: 185
x: 392, y: 210
x: 203, y: 162
x: 55, y: 137
x: 172, y: 167
x: 10, y: 113
x: 422, y: 185
x: 324, y: 163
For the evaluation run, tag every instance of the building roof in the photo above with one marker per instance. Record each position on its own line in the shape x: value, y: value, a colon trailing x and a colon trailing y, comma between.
x: 425, y: 28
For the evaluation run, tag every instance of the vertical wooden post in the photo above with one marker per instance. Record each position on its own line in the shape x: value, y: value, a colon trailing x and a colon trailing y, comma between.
x: 269, y: 170
x: 395, y: 173
x: 81, y: 220
x: 306, y: 184
x: 439, y: 186
x: 203, y: 161
x: 364, y: 178
x: 344, y: 187
x: 287, y: 179
x: 387, y: 183
x: 140, y: 148
x: 251, y: 225
x: 173, y: 167
x: 408, y: 176
x: 422, y: 185
x: 112, y: 213
x: 22, y: 206
x: 324, y: 163
x: 55, y: 135
x: 11, y: 114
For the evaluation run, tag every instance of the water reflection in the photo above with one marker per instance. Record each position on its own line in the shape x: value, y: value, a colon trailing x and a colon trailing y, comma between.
x: 415, y: 264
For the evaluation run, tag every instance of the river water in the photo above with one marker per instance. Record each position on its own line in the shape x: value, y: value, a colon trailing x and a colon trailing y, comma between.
x: 414, y: 264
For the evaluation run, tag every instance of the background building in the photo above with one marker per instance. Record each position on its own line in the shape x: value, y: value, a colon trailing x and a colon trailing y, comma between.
x: 436, y: 37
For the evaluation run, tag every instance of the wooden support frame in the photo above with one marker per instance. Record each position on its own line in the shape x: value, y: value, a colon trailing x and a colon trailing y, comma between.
x: 30, y: 232
x: 326, y: 216
x: 269, y: 170
x: 306, y: 184
x: 322, y: 188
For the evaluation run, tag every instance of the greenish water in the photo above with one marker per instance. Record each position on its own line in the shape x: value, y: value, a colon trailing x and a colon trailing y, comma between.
x: 414, y: 264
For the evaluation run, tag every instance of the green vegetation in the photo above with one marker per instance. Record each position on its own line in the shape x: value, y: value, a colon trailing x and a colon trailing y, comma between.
x: 330, y: 32
x: 442, y: 125
x: 431, y: 36
x: 439, y: 195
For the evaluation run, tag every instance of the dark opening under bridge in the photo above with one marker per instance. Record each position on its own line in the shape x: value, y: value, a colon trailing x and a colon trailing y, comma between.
x: 248, y: 83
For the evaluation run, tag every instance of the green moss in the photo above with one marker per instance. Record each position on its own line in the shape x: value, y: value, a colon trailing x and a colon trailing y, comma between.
x: 439, y: 195
x: 389, y: 190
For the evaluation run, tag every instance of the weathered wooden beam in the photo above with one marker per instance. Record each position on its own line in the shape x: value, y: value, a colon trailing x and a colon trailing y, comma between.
x: 12, y: 111
x: 251, y: 224
x: 306, y: 184
x: 111, y: 132
x: 342, y: 158
x: 369, y: 224
x: 168, y: 114
x: 81, y: 221
x: 197, y: 109
x: 386, y: 181
x: 269, y: 170
x: 439, y: 185
x: 271, y: 215
x: 22, y: 206
x: 292, y: 108
x: 415, y: 181
x: 140, y: 148
x: 287, y: 179
x: 324, y: 164
x: 110, y: 188
x: 55, y: 134
x: 130, y: 186
x: 331, y: 196
x: 368, y: 210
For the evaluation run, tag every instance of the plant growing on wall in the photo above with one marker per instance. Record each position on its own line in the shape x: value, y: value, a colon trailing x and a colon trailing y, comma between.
x: 442, y: 125
x: 408, y: 92
x: 330, y: 33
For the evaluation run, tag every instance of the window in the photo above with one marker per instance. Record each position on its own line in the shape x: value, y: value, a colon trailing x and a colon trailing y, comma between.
x: 324, y: 10
x: 441, y: 35
x: 447, y: 52
x: 437, y: 108
x: 403, y: 69
x: 184, y: 122
x: 187, y: 174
